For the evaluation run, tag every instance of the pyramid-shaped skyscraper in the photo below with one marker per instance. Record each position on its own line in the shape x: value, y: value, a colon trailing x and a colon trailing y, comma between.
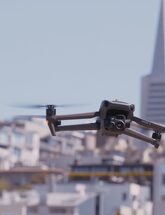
x: 153, y: 85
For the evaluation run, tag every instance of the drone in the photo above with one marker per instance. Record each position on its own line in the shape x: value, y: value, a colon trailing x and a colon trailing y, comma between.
x: 112, y: 119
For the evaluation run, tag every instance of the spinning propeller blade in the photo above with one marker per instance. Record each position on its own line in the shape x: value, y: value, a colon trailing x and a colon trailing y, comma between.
x: 30, y: 116
x: 38, y: 106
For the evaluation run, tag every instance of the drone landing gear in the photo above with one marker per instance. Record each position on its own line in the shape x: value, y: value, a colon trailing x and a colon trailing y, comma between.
x: 156, y: 144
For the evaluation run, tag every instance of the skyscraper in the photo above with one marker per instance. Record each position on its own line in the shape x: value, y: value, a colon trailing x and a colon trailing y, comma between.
x: 153, y: 85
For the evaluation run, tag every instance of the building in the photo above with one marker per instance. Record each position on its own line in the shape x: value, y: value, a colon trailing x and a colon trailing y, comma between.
x: 79, y: 199
x: 128, y: 198
x: 18, y: 145
x: 153, y: 85
x: 56, y: 203
x: 159, y: 188
x: 16, y: 203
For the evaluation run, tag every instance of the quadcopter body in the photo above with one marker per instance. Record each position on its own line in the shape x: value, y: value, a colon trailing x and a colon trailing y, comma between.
x: 112, y: 119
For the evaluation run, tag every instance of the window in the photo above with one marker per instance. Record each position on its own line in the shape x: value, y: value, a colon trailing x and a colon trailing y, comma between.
x: 4, y: 139
x: 124, y: 196
x: 32, y: 209
x: 62, y: 210
x: 17, y: 152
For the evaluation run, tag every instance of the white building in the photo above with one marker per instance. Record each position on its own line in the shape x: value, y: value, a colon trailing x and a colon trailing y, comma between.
x: 63, y: 203
x: 14, y: 209
x: 16, y: 203
x: 70, y: 203
x: 153, y: 85
x: 159, y: 188
x: 114, y: 198
x: 80, y: 199
x: 18, y: 145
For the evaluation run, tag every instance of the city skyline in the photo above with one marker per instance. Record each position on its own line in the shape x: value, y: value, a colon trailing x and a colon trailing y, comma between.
x: 74, y: 52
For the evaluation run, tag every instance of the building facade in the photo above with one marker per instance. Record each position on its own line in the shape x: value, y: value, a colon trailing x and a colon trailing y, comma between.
x: 79, y: 199
x: 153, y: 85
x: 159, y: 189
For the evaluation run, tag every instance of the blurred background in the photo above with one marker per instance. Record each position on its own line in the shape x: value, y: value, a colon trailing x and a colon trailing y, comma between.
x: 80, y: 52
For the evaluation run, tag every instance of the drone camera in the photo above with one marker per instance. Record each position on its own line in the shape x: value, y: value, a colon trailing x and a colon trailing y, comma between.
x: 117, y: 122
x: 120, y: 122
x: 120, y: 125
x: 111, y: 125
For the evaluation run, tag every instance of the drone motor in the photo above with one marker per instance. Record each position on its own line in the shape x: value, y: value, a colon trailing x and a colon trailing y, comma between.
x: 50, y: 111
x: 156, y: 135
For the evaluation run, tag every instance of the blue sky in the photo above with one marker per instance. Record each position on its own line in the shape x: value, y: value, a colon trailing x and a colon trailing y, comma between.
x: 74, y: 51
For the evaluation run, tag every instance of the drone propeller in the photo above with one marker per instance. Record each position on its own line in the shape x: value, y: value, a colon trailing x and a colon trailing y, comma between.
x: 38, y: 106
x: 29, y: 117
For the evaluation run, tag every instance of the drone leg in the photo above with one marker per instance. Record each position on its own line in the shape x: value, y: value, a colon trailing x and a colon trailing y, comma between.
x: 52, y: 128
x: 141, y: 136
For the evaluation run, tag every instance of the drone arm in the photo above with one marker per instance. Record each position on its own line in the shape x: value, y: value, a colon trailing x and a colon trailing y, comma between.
x: 141, y: 136
x: 148, y: 124
x: 76, y: 116
x: 79, y: 127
